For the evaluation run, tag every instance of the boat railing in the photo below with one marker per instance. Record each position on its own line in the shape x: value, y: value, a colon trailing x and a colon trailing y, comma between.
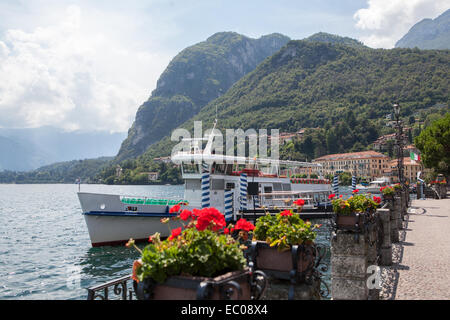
x: 151, y: 201
x: 117, y: 289
x: 286, y: 198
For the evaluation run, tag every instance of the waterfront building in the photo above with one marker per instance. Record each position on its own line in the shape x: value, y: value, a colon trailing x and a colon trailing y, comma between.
x: 369, y: 164
x: 410, y: 169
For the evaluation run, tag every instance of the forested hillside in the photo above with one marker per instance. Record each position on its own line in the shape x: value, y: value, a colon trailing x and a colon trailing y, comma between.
x: 346, y: 92
x: 61, y: 172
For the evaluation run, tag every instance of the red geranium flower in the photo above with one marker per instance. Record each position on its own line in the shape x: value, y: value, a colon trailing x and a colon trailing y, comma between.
x: 243, y: 224
x: 210, y: 217
x: 355, y: 191
x: 175, y: 233
x: 185, y: 214
x: 226, y: 231
x: 136, y: 265
x: 340, y: 196
x: 331, y: 196
x: 286, y: 213
x: 195, y: 213
x: 377, y: 199
x: 299, y: 202
x: 175, y: 208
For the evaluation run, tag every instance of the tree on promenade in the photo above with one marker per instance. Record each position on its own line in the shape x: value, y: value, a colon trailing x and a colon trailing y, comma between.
x: 434, y: 143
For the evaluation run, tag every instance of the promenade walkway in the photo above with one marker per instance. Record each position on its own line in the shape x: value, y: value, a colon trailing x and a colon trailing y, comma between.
x: 422, y: 266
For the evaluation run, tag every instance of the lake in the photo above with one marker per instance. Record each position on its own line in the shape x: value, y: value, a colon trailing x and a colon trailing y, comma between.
x: 44, y: 243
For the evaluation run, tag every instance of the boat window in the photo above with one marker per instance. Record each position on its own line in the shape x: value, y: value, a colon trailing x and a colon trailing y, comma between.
x: 193, y: 185
x: 217, y: 184
x: 230, y: 185
x: 286, y: 187
x: 190, y: 168
x: 218, y: 168
x: 277, y: 186
x: 268, y: 189
x: 229, y: 169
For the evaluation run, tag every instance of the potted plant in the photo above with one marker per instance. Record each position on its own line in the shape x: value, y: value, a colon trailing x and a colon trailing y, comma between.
x: 199, y: 260
x: 353, y: 212
x: 387, y: 192
x: 397, y: 188
x: 283, y: 245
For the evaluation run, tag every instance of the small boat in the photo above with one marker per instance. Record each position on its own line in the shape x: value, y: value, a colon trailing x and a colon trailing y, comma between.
x: 374, y: 186
x: 361, y: 187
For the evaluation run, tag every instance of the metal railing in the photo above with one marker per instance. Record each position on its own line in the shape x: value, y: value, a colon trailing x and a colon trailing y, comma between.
x: 119, y: 288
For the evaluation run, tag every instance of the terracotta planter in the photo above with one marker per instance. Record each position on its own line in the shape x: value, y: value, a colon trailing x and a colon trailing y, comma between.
x: 349, y: 222
x: 388, y: 197
x: 280, y: 264
x: 237, y: 285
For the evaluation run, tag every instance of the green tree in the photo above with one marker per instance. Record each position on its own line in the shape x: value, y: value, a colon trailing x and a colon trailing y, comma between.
x: 434, y: 143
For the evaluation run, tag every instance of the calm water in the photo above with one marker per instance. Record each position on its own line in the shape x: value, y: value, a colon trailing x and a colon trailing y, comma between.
x: 45, y: 252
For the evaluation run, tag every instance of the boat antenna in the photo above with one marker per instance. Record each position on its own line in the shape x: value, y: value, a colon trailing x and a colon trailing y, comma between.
x: 216, y: 114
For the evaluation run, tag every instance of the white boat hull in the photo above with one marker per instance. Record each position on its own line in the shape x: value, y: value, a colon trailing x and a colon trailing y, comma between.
x: 114, y: 230
x: 110, y: 222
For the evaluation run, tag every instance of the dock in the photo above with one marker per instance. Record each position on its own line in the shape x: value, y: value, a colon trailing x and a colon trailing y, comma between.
x: 421, y: 259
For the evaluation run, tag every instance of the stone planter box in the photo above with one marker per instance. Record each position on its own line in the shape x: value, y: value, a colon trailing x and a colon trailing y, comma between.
x: 236, y: 285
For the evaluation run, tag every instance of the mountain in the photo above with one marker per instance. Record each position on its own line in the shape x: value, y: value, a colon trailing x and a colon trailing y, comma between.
x: 335, y: 39
x: 346, y: 91
x: 428, y: 34
x: 196, y: 76
x: 14, y: 155
x: 28, y: 149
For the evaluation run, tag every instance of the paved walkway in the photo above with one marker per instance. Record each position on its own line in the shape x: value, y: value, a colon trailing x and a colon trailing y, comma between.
x: 423, y: 267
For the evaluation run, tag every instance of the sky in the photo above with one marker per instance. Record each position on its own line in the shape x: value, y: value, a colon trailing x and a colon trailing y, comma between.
x: 88, y: 65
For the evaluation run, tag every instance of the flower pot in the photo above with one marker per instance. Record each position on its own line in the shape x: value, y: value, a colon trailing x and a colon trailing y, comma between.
x: 280, y: 264
x: 236, y: 285
x: 388, y: 197
x: 349, y: 222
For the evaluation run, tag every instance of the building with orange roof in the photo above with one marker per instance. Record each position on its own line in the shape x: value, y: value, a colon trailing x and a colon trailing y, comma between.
x: 410, y: 169
x: 369, y: 164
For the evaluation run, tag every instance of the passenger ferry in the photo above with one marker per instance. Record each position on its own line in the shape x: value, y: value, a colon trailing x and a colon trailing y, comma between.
x: 229, y: 183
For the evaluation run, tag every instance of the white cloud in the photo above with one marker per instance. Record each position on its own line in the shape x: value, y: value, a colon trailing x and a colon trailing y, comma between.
x: 74, y: 75
x: 384, y: 22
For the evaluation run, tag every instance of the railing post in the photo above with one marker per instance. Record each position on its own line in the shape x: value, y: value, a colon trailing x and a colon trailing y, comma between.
x: 404, y: 208
x: 372, y: 252
x: 349, y: 262
x: 394, y: 206
x: 386, y: 245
